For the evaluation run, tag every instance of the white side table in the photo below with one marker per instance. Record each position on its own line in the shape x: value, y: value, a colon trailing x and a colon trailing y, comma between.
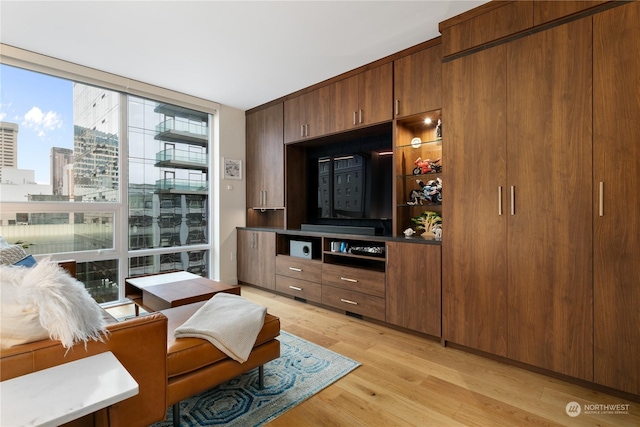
x: 63, y: 393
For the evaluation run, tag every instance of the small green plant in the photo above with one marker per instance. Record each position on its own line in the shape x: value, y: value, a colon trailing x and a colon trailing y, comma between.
x: 24, y: 244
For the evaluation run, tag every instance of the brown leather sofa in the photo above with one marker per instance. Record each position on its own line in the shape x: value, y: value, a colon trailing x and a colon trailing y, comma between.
x: 166, y: 369
x: 140, y: 344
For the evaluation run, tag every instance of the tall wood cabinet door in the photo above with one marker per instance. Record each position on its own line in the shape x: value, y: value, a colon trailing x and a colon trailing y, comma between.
x: 474, y: 279
x: 345, y: 95
x: 375, y: 92
x: 549, y: 165
x: 413, y: 288
x: 617, y: 226
x: 293, y: 120
x: 265, y: 158
x: 417, y: 82
x: 253, y: 163
x: 257, y: 258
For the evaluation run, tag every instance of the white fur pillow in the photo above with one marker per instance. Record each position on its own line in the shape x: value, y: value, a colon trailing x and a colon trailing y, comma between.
x: 64, y: 307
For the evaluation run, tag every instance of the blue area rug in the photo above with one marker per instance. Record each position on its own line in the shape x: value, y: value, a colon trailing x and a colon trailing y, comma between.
x: 302, y: 370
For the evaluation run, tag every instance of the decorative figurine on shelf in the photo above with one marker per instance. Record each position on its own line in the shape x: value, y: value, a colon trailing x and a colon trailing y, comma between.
x: 408, y: 232
x: 431, y: 192
x: 430, y: 222
x: 426, y: 166
x: 439, y: 129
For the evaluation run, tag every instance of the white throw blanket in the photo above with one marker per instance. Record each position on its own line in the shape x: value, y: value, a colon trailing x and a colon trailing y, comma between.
x: 229, y: 322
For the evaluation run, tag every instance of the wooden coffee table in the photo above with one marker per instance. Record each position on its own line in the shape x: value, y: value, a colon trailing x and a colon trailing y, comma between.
x: 165, y: 290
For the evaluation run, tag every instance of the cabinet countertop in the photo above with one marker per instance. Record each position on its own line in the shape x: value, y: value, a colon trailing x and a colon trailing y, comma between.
x: 415, y: 239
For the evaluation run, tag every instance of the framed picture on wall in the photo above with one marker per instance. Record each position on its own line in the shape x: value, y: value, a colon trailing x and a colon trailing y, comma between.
x: 232, y: 169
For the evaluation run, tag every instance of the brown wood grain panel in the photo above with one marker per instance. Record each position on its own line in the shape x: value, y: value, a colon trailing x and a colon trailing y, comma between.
x: 345, y: 96
x: 413, y: 290
x: 354, y: 302
x: 255, y: 130
x: 299, y: 268
x: 256, y: 258
x: 293, y: 120
x: 617, y: 155
x: 498, y: 22
x: 272, y: 156
x: 376, y: 95
x: 418, y: 82
x: 354, y: 279
x: 299, y: 288
x: 474, y: 258
x: 549, y: 10
x: 549, y: 163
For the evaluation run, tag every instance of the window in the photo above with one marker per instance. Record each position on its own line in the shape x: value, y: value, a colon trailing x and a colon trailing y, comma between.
x: 64, y: 145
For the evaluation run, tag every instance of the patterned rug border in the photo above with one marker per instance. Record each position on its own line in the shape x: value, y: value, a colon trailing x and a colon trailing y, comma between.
x: 271, y: 407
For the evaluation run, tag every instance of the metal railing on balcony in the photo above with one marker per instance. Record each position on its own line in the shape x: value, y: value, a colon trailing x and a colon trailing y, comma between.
x: 173, y: 124
x: 182, y: 156
x: 181, y: 185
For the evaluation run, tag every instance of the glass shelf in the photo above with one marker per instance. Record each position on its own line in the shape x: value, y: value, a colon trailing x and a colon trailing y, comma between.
x: 421, y: 144
x: 418, y: 175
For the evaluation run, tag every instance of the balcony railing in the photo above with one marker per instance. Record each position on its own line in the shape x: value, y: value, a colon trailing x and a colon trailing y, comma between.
x: 175, y: 157
x: 183, y: 131
x: 178, y: 185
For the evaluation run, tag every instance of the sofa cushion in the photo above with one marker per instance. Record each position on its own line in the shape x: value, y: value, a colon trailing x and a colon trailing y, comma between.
x: 189, y: 354
x: 63, y: 305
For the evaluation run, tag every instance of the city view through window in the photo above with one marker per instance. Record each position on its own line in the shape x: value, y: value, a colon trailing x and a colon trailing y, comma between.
x: 63, y: 146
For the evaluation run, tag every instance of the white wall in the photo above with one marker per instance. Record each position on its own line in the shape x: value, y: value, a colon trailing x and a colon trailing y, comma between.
x: 229, y: 209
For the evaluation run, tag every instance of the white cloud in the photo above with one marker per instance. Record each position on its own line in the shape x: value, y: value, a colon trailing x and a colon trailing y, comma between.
x: 2, y: 116
x: 42, y: 122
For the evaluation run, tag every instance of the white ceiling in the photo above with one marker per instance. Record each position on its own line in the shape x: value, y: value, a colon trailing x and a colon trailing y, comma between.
x: 238, y: 53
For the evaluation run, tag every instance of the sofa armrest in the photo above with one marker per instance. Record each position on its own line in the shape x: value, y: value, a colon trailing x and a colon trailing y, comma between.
x: 140, y: 344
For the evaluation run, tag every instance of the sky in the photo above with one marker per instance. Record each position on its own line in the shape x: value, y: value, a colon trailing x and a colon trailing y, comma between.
x: 42, y: 106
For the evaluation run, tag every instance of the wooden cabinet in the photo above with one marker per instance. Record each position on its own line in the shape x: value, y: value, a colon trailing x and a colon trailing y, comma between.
x: 474, y: 259
x: 308, y: 115
x: 413, y: 287
x: 549, y: 10
x: 363, y: 99
x: 549, y: 229
x: 256, y: 258
x: 299, y: 277
x: 486, y: 23
x: 616, y: 195
x: 265, y: 158
x: 417, y: 82
x: 518, y: 252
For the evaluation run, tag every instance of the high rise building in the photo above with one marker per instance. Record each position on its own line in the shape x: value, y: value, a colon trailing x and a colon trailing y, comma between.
x: 8, y: 146
x: 60, y: 158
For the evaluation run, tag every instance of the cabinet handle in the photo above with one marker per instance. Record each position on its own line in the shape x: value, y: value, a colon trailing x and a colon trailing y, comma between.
x: 301, y: 131
x: 513, y: 200
x: 601, y: 199
x: 295, y: 288
x: 306, y: 128
x: 360, y: 116
x: 397, y: 107
x: 348, y: 301
x: 354, y: 117
x: 295, y: 269
x: 499, y: 200
x: 346, y: 279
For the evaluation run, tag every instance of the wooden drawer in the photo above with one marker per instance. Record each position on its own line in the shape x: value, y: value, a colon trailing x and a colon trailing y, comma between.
x: 299, y: 268
x: 299, y: 288
x: 354, y: 279
x: 354, y: 302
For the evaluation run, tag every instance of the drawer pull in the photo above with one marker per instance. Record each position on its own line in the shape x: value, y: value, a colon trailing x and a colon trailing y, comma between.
x: 346, y: 279
x: 295, y: 288
x: 295, y: 269
x: 348, y: 301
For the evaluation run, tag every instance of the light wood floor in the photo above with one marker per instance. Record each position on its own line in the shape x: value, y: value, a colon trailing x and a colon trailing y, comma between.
x: 407, y: 380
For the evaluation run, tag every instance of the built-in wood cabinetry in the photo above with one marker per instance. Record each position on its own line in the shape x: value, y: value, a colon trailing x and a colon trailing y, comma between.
x: 616, y: 195
x: 256, y: 264
x: 417, y: 82
x: 549, y: 10
x: 265, y: 158
x: 363, y: 99
x: 308, y: 115
x: 535, y: 236
x: 413, y: 288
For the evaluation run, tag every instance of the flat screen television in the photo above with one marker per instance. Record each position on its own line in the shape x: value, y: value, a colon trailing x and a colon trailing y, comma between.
x: 350, y: 184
